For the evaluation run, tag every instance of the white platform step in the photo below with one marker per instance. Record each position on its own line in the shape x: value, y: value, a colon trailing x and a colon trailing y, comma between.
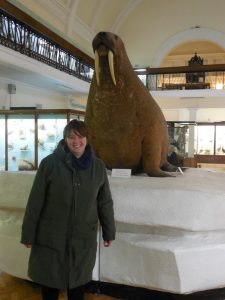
x: 178, y: 264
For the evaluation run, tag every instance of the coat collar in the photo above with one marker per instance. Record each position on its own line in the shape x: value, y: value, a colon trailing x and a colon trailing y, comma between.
x: 63, y: 153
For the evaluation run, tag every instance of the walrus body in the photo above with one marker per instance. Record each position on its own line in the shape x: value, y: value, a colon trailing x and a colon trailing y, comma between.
x: 126, y: 126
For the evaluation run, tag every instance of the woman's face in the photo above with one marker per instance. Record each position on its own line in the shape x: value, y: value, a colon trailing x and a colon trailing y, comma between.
x: 76, y: 143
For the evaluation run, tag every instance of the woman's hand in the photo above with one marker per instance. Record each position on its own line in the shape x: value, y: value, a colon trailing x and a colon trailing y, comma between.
x: 107, y: 243
x: 28, y: 245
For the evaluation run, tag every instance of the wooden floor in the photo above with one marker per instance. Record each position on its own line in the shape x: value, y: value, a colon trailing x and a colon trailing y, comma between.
x: 12, y: 288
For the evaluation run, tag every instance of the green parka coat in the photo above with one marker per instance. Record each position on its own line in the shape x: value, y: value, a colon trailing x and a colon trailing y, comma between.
x: 61, y: 220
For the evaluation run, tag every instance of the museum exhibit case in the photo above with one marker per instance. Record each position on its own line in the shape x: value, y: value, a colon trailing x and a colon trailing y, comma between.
x: 179, y: 136
x: 27, y: 136
x: 50, y: 132
x: 220, y: 140
x: 204, y: 139
x: 79, y: 116
x: 209, y: 144
x: 20, y: 142
x: 210, y: 139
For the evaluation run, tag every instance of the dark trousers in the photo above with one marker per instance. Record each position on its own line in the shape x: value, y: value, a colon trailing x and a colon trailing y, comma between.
x: 49, y: 293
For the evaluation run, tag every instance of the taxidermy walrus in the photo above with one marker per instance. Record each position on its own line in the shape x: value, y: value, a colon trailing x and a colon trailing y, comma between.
x: 126, y: 126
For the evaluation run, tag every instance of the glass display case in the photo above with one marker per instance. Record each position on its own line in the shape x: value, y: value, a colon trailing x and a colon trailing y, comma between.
x: 178, y: 136
x: 76, y: 116
x: 21, y: 139
x: 220, y: 140
x: 50, y: 132
x: 27, y: 136
x: 210, y: 145
x: 204, y: 139
x: 210, y: 139
x: 2, y: 142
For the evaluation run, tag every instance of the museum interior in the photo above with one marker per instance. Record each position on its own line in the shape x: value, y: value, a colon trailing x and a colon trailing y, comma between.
x: 177, y: 49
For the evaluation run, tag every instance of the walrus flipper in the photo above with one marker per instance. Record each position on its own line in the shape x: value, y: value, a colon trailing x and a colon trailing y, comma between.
x: 159, y: 173
x: 169, y: 167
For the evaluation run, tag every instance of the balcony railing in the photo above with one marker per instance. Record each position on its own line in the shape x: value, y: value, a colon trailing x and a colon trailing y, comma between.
x: 24, y: 39
x: 184, y: 78
x: 41, y: 44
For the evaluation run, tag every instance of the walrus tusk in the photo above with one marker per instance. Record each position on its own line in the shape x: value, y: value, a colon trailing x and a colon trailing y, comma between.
x: 111, y: 66
x: 97, y: 67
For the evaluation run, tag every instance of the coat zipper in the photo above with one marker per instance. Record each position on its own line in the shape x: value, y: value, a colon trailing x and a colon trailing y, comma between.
x: 74, y: 213
x: 76, y: 185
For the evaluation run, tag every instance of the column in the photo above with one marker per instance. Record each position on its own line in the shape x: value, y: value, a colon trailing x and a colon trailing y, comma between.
x: 192, y: 117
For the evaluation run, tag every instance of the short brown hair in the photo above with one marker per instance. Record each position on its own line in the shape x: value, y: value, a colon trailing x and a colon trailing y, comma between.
x: 77, y: 125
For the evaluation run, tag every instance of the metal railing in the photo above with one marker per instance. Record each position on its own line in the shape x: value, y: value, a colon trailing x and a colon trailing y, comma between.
x: 184, y: 78
x: 22, y: 38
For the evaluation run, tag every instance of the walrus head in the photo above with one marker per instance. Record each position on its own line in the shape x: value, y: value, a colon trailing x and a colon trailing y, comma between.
x: 104, y: 44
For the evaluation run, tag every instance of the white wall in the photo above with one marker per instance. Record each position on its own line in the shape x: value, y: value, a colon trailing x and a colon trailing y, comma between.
x: 179, y: 105
x: 37, y: 83
x: 199, y: 114
x: 210, y: 115
x: 195, y: 114
x: 176, y: 114
x: 28, y: 96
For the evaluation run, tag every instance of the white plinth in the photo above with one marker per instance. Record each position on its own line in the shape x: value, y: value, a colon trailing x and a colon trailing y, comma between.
x: 193, y: 201
x: 170, y: 231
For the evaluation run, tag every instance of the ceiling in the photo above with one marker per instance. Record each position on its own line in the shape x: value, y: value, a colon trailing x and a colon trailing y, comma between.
x: 144, y: 25
x: 203, y: 47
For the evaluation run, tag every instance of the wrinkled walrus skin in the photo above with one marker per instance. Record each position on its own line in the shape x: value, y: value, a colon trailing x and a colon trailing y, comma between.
x: 126, y: 126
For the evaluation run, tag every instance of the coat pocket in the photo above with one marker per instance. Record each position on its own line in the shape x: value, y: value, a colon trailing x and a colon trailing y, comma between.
x: 85, y: 233
x: 48, y: 236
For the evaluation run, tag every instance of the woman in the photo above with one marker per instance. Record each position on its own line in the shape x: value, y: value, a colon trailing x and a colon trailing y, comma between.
x: 69, y: 194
